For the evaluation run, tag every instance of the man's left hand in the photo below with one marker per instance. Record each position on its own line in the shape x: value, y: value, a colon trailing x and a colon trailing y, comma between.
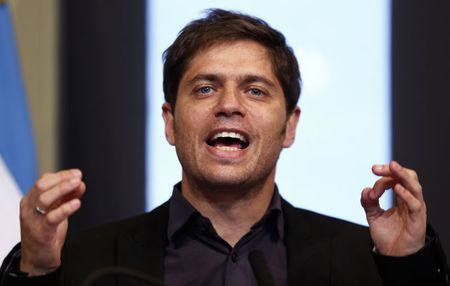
x: 400, y: 230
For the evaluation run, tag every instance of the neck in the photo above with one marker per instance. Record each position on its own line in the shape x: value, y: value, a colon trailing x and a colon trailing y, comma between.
x: 232, y: 210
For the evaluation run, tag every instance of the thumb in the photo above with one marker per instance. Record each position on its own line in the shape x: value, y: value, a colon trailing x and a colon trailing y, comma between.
x: 371, y: 204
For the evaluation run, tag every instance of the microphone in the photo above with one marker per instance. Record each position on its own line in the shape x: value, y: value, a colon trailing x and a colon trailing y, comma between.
x: 121, y: 271
x: 261, y: 268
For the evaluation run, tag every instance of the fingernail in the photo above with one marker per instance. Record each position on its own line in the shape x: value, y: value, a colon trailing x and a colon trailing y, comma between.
x: 74, y: 181
x: 75, y: 203
x: 395, y: 165
x: 76, y: 172
x: 378, y: 167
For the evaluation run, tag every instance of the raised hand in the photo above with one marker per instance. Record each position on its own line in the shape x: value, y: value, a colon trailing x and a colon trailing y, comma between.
x: 43, y: 219
x: 400, y: 230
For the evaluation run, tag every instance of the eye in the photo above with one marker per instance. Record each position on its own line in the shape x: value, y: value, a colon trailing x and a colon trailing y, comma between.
x: 205, y: 90
x: 256, y: 92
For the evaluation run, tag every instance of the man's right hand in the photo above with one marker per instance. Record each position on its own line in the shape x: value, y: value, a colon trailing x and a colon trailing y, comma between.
x: 43, y: 219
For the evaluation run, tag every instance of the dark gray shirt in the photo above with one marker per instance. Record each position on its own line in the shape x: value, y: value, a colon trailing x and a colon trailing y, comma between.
x: 197, y: 255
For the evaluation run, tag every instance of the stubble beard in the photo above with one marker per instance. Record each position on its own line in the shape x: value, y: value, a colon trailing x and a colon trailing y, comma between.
x: 214, y: 181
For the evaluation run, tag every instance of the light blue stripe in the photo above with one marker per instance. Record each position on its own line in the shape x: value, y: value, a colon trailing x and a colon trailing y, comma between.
x: 16, y: 139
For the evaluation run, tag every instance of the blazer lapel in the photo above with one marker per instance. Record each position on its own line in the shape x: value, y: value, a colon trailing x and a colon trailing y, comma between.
x: 142, y: 248
x: 308, y: 254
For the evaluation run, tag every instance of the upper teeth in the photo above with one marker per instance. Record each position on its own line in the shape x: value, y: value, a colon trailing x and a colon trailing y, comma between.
x: 231, y: 135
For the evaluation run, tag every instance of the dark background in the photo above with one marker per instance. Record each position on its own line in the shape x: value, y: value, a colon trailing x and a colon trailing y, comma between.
x: 421, y: 101
x: 102, y: 118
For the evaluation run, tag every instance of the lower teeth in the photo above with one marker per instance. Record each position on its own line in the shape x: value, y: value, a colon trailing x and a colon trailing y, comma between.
x: 227, y: 148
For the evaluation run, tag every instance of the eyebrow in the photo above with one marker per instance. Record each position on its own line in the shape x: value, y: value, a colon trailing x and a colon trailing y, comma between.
x: 243, y: 79
x: 251, y: 78
x: 205, y: 77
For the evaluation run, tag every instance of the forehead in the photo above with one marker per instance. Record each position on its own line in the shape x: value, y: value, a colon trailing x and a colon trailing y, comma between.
x: 240, y: 56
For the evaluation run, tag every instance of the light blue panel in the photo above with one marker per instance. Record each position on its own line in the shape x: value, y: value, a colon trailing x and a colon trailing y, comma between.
x: 343, y: 50
x: 16, y: 136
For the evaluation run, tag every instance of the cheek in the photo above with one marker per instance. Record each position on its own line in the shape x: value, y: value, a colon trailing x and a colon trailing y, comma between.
x: 187, y: 125
x: 272, y: 122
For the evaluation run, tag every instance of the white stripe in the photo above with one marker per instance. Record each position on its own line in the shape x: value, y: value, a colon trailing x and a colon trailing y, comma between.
x: 10, y: 196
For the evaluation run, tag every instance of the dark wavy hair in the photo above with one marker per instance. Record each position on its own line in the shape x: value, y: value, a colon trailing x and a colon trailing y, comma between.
x: 227, y: 26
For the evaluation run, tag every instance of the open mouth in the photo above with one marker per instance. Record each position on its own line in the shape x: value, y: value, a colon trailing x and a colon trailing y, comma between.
x: 228, y: 141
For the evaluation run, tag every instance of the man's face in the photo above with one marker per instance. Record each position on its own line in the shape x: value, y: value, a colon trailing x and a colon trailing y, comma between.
x: 230, y: 120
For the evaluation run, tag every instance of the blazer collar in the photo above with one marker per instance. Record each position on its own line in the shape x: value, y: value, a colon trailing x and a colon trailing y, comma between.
x: 143, y: 247
x: 308, y: 252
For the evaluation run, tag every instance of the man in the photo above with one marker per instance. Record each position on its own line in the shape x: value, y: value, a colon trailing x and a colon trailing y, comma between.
x: 231, y: 87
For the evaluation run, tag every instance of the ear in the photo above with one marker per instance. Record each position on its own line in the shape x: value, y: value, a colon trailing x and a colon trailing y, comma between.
x: 291, y: 127
x: 167, y: 114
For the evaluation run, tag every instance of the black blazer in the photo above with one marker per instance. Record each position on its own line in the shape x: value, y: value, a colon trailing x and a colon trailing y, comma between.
x: 320, y: 251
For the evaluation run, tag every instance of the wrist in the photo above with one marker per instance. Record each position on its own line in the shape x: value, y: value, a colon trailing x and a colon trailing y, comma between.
x: 28, y: 269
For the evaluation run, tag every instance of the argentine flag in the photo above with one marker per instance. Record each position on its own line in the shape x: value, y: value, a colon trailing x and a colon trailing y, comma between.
x: 17, y: 158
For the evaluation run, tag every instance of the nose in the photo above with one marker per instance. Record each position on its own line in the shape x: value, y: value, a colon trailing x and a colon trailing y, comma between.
x: 229, y: 103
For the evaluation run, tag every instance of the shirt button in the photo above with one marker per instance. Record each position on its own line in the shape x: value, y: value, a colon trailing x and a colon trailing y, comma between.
x: 234, y: 257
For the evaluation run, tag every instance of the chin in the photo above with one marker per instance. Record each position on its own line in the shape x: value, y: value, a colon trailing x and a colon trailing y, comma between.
x: 223, y: 180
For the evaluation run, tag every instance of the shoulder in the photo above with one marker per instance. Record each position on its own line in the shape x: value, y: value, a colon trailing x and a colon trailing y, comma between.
x: 319, y: 225
x: 328, y: 247
x: 135, y: 243
x: 139, y: 227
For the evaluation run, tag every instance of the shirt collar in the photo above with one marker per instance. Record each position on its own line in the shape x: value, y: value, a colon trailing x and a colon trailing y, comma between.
x: 181, y: 211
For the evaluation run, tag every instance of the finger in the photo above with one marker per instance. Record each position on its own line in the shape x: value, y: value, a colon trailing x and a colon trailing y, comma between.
x: 408, y: 178
x: 381, y: 170
x: 49, y: 180
x: 370, y: 197
x: 58, y: 215
x: 58, y: 192
x: 413, y: 204
x: 371, y: 206
x: 366, y: 199
x: 380, y: 186
x: 75, y: 194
